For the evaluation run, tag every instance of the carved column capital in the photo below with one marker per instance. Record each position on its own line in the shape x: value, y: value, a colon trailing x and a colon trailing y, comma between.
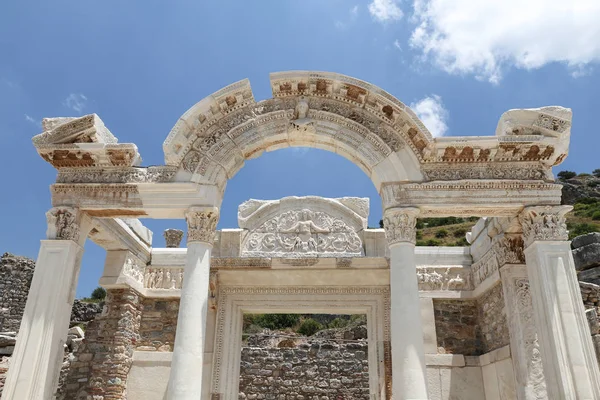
x: 173, y: 237
x: 544, y: 223
x: 202, y: 224
x: 64, y: 223
x: 400, y: 225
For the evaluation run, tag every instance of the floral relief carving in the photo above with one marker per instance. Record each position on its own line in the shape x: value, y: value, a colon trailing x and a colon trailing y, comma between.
x: 400, y: 225
x: 303, y: 233
x: 63, y: 224
x: 535, y: 385
x: 544, y: 223
x: 202, y: 225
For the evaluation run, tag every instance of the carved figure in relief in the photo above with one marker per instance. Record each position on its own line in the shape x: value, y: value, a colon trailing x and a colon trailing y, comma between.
x: 304, y: 228
x: 303, y: 232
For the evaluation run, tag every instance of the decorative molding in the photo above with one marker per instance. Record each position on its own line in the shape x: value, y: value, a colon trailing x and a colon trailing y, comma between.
x: 375, y: 302
x: 173, y: 237
x: 161, y: 174
x: 202, y: 224
x: 544, y: 223
x: 400, y: 225
x: 63, y: 223
x: 237, y: 262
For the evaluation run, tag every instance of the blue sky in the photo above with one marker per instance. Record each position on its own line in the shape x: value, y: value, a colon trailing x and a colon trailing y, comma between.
x: 140, y: 65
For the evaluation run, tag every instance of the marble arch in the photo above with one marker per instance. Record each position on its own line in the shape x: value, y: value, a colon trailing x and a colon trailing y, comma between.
x: 520, y: 247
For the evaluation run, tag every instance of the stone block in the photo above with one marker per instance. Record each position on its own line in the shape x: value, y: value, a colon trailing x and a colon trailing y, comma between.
x: 584, y: 240
x: 587, y: 256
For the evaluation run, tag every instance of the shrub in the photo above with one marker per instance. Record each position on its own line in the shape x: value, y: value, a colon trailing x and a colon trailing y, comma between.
x: 419, y: 235
x: 587, y: 200
x: 98, y: 294
x: 381, y: 223
x: 596, y: 216
x: 461, y: 242
x: 564, y: 175
x: 338, y: 323
x: 309, y: 327
x: 592, y: 184
x: 584, y: 175
x: 581, y: 229
x: 432, y: 242
x: 460, y: 233
x: 596, y: 173
x: 275, y: 321
x: 442, y: 233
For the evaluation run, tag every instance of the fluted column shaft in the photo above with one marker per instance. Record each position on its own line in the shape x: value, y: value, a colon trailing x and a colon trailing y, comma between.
x: 409, y: 379
x: 185, y: 381
x: 38, y: 354
x: 566, y: 348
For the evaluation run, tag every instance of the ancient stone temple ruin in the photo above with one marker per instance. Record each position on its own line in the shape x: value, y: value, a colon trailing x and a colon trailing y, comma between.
x: 502, y: 318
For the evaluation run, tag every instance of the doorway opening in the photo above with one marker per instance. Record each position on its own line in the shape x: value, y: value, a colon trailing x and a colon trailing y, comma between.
x: 304, y: 355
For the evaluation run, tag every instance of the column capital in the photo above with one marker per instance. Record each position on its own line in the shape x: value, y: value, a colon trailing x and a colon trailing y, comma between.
x: 202, y: 224
x: 544, y: 223
x: 64, y: 223
x: 400, y: 225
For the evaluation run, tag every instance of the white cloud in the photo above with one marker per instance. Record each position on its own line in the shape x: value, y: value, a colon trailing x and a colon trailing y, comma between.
x: 431, y: 111
x: 397, y: 44
x: 34, y: 121
x: 354, y: 10
x: 76, y: 102
x: 385, y: 10
x: 485, y: 38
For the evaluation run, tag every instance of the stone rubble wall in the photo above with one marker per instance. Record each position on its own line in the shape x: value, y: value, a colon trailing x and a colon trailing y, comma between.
x: 158, y: 324
x: 492, y: 322
x: 310, y: 371
x: 98, y: 369
x: 15, y: 279
x: 456, y: 327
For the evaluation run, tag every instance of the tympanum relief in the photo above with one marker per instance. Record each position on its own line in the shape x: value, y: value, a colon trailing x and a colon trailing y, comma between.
x: 303, y: 232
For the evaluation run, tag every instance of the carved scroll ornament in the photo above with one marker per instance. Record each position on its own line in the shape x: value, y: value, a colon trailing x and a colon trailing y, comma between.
x: 400, y: 225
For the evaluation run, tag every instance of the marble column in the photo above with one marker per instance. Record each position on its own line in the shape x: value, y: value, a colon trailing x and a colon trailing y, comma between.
x: 38, y: 354
x: 409, y: 379
x: 185, y: 381
x: 566, y: 348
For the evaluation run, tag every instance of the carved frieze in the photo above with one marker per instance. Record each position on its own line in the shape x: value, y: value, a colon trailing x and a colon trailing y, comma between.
x: 160, y: 174
x: 202, y: 225
x: 86, y: 129
x: 303, y: 232
x: 544, y: 223
x: 240, y: 262
x: 63, y: 223
x: 163, y: 278
x: 400, y: 225
x: 440, y: 278
x: 134, y: 269
x: 447, y: 172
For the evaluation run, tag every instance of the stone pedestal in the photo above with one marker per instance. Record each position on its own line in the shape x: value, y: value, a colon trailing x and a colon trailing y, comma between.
x: 409, y: 379
x: 38, y: 355
x: 570, y: 365
x: 185, y: 381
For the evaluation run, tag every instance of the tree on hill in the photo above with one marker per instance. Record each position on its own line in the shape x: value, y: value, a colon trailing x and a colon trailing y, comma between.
x: 98, y: 294
x: 564, y: 175
x: 596, y: 173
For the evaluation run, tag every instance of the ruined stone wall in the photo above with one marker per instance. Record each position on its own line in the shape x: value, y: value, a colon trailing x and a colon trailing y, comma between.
x: 456, y: 326
x: 158, y: 324
x: 309, y: 371
x: 100, y: 367
x: 15, y: 279
x: 492, y: 321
